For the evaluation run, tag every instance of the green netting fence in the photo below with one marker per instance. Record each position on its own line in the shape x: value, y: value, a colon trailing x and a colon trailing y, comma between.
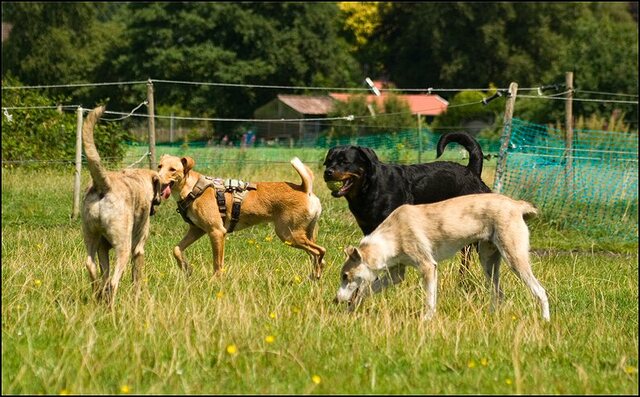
x: 404, y: 147
x: 594, y: 189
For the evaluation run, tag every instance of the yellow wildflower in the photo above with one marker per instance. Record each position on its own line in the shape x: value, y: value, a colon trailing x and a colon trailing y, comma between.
x: 471, y: 364
x: 124, y: 389
x: 232, y: 349
x: 270, y: 339
x: 316, y: 379
x: 37, y: 282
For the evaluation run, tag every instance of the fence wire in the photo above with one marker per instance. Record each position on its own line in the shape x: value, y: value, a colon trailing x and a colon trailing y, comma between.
x: 593, y: 188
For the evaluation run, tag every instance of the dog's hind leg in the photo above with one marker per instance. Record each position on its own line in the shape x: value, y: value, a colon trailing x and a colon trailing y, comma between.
x: 490, y: 260
x: 138, y: 264
x: 312, y: 235
x: 193, y: 234
x: 299, y: 239
x: 122, y: 256
x: 103, y: 255
x: 515, y: 249
x: 92, y: 248
x: 465, y: 264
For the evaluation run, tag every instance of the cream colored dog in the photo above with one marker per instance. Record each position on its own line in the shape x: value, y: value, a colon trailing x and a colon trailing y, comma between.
x: 423, y: 235
x: 293, y: 209
x: 115, y: 214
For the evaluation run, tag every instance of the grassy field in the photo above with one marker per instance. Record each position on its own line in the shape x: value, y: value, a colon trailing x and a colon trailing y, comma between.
x: 264, y: 328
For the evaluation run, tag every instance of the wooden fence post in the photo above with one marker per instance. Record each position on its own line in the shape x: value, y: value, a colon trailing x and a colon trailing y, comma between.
x: 152, y: 126
x: 419, y: 139
x: 76, y: 184
x: 569, y: 132
x: 502, y: 156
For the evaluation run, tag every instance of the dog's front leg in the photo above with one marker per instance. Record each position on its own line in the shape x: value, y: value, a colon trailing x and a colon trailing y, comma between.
x: 217, y: 246
x: 193, y: 234
x: 430, y: 284
x: 391, y: 277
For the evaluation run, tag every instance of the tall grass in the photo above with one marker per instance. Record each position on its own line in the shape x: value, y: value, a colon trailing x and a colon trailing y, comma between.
x: 264, y: 328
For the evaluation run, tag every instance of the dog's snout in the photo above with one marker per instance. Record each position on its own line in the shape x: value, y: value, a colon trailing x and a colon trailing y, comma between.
x: 328, y: 173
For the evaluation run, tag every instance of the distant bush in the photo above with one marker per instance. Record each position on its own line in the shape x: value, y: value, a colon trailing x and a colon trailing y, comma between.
x: 466, y: 107
x: 44, y: 137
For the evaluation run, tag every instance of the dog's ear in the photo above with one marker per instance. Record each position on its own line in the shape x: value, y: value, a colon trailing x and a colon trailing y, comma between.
x: 353, y: 253
x: 187, y: 163
x: 328, y: 156
x: 368, y: 154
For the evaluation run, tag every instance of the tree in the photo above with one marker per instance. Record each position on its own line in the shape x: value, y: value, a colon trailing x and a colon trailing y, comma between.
x: 54, y: 43
x: 469, y: 45
x: 394, y: 115
x: 46, y: 137
x: 244, y: 44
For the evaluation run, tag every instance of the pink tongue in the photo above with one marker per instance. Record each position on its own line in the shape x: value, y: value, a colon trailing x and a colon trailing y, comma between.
x: 166, y: 192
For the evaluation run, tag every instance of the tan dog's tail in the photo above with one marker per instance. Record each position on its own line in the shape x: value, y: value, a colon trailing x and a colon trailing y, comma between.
x: 528, y: 210
x: 98, y: 173
x: 305, y: 173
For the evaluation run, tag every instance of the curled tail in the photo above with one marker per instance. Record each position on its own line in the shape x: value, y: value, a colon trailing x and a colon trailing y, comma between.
x: 98, y: 173
x: 472, y: 146
x: 305, y: 173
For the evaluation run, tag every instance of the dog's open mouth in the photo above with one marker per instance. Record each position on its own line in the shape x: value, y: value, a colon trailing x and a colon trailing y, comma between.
x: 340, y: 188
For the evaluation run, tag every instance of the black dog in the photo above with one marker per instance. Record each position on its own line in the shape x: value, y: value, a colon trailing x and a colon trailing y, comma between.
x: 374, y: 189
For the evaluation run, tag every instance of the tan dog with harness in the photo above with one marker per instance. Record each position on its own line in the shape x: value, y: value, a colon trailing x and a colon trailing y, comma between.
x: 216, y: 207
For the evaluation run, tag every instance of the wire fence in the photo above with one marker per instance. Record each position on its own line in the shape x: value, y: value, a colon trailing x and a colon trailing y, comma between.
x: 593, y: 188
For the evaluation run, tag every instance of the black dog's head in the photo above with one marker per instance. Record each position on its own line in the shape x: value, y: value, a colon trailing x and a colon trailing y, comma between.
x: 345, y: 168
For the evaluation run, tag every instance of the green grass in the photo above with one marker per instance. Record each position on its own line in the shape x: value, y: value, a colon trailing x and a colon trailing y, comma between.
x: 174, y: 338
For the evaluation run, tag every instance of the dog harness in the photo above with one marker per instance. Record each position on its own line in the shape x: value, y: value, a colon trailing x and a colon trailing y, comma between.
x: 238, y: 188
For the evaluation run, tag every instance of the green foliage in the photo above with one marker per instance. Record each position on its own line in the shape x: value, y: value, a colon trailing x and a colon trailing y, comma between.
x: 55, y: 43
x: 45, y: 137
x: 252, y: 43
x: 467, y: 106
x: 392, y: 115
x: 533, y: 44
x: 458, y: 45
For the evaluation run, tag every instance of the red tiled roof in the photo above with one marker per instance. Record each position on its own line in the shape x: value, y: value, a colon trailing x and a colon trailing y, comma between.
x: 308, y: 104
x: 424, y: 104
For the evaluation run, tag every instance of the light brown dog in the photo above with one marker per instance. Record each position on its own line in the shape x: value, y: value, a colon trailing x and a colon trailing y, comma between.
x: 423, y: 235
x: 293, y: 209
x: 115, y: 214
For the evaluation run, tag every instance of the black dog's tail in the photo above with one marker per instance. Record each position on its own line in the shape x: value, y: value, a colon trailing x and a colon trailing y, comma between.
x: 472, y: 146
